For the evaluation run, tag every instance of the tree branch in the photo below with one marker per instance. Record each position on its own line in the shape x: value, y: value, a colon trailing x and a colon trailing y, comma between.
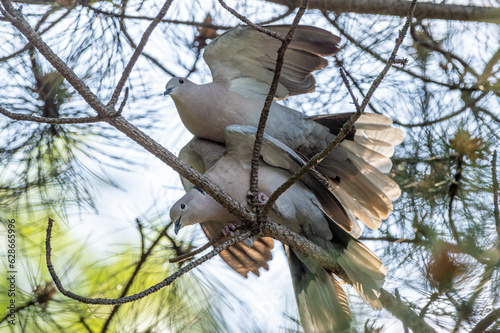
x: 425, y: 10
x: 48, y: 120
x: 122, y: 300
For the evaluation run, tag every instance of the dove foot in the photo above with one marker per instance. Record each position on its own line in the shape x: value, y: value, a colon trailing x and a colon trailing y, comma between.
x: 261, y: 198
x: 230, y: 230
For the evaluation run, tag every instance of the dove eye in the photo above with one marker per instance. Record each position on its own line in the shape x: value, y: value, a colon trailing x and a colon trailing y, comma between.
x: 183, y: 206
x: 181, y: 81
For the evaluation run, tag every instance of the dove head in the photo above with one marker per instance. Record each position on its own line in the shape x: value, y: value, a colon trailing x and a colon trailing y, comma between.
x: 195, y: 207
x: 177, y: 85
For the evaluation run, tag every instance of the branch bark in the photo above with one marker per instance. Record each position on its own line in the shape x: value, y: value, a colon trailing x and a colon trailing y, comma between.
x: 425, y: 10
x: 403, y: 312
x: 486, y: 321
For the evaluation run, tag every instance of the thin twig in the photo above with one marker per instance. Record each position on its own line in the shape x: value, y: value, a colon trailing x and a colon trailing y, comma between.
x: 250, y: 23
x: 495, y: 194
x: 390, y: 239
x: 197, y: 251
x: 254, y: 176
x: 140, y: 228
x: 211, y: 242
x: 137, y: 53
x: 87, y: 327
x: 131, y: 42
x: 41, y: 33
x: 346, y: 83
x: 122, y: 300
x: 289, y: 11
x: 360, y: 90
x: 147, y: 18
x: 48, y: 120
x: 122, y: 105
x: 468, y: 105
x: 138, y: 266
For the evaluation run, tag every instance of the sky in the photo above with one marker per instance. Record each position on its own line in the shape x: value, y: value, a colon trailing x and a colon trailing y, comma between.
x: 151, y: 187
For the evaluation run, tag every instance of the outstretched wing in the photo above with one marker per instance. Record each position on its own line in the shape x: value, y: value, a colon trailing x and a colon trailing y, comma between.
x: 356, y: 168
x: 244, y: 59
x: 240, y: 141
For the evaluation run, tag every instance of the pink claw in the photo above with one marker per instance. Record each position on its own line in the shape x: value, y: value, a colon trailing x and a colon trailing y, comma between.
x: 228, y: 230
x: 262, y: 198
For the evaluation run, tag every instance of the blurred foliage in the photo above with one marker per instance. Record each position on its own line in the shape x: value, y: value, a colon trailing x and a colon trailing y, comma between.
x: 440, y: 245
x: 185, y: 306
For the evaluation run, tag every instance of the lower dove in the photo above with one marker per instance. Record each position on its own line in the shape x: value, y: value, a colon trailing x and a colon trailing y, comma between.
x: 321, y: 300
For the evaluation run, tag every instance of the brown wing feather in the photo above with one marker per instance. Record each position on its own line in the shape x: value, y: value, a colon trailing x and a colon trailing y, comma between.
x: 240, y: 257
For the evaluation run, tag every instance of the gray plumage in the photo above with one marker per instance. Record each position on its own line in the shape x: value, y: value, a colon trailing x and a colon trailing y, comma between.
x: 201, y: 155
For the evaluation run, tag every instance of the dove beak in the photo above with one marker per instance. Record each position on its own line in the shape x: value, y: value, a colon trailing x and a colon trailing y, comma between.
x: 177, y: 225
x: 168, y: 91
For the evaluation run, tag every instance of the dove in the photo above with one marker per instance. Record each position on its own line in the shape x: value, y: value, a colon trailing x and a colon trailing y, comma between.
x: 242, y: 63
x: 321, y: 300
